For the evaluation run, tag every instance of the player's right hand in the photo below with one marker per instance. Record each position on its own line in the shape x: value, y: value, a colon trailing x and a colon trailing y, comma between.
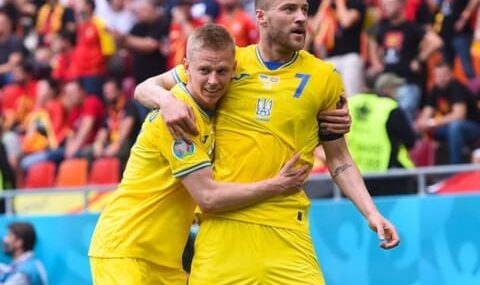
x: 180, y: 119
x: 387, y: 233
x: 292, y: 177
x: 336, y: 121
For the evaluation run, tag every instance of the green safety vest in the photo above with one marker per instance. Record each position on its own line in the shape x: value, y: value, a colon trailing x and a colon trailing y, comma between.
x: 4, y: 183
x: 368, y: 139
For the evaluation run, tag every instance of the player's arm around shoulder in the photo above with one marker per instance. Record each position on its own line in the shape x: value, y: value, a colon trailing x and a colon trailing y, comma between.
x: 155, y: 93
x: 348, y: 178
x: 215, y: 196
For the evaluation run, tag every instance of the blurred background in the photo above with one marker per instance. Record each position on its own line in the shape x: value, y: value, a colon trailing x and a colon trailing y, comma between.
x: 411, y: 70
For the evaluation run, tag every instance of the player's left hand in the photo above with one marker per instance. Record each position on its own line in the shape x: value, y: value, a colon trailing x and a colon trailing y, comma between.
x: 290, y: 179
x: 386, y: 232
x: 336, y: 121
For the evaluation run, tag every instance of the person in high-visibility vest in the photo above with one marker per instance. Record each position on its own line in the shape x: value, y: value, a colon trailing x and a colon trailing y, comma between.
x: 7, y: 175
x: 381, y: 133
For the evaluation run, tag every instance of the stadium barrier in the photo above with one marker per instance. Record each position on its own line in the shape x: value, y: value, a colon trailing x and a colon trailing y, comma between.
x: 439, y: 235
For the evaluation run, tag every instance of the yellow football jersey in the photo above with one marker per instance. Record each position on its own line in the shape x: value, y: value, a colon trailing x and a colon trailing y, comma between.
x: 151, y: 212
x: 266, y: 117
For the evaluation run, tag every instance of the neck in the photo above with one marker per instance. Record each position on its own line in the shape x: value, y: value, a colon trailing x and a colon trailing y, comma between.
x: 272, y: 52
x: 398, y: 20
x: 17, y: 254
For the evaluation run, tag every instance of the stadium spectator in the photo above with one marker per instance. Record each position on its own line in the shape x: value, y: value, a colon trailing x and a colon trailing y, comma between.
x: 21, y: 13
x: 121, y: 124
x: 237, y: 22
x: 85, y: 118
x: 342, y: 46
x: 89, y: 58
x: 43, y: 126
x: 25, y: 268
x: 147, y: 41
x: 133, y: 242
x: 453, y: 24
x: 381, y: 136
x: 11, y: 49
x: 420, y: 11
x: 17, y: 103
x: 19, y: 96
x: 402, y: 47
x: 52, y: 18
x: 181, y: 26
x: 84, y: 114
x: 450, y: 113
x: 63, y: 49
x: 206, y: 10
x: 117, y: 17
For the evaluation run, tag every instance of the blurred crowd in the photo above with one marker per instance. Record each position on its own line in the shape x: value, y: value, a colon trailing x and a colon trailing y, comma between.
x: 68, y: 69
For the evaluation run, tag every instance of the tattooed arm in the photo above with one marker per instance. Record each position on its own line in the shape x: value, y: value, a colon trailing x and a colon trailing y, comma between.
x: 348, y: 178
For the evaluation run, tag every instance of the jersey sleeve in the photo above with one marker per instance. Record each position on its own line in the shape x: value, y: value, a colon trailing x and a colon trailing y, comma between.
x: 333, y: 91
x: 187, y: 157
x: 183, y: 157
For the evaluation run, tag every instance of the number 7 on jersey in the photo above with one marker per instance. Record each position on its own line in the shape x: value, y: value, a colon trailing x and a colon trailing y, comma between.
x: 303, y: 81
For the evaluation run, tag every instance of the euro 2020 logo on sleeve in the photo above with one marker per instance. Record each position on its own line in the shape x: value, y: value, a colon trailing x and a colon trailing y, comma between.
x: 182, y: 149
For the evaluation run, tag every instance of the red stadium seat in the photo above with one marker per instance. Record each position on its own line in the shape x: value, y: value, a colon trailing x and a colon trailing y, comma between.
x: 105, y: 171
x: 467, y: 182
x: 72, y: 172
x: 423, y: 153
x: 41, y: 175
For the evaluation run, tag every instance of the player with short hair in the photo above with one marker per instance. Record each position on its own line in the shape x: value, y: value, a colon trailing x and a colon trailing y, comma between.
x: 142, y: 232
x: 269, y: 113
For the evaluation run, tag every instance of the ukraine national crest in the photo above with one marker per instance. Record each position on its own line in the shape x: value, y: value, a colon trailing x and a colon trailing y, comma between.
x: 182, y: 149
x: 264, y: 109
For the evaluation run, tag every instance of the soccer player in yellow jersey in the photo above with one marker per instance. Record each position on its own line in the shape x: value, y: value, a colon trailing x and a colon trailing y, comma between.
x: 269, y: 113
x: 141, y: 234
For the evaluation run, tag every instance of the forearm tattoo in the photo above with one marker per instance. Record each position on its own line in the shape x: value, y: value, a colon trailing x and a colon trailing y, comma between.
x: 340, y: 169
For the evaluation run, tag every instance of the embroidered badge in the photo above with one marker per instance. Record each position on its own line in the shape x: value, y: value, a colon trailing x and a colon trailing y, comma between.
x: 264, y: 109
x: 182, y: 149
x: 268, y: 81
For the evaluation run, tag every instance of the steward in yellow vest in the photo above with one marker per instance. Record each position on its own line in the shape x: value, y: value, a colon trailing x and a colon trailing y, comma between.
x: 380, y: 134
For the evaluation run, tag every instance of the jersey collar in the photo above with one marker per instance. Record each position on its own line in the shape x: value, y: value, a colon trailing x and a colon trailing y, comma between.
x: 286, y: 64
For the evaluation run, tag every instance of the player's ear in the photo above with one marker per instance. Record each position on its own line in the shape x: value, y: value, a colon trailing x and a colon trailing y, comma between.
x: 260, y: 15
x: 186, y: 64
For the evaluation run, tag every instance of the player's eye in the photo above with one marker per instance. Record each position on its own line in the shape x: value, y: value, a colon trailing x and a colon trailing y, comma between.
x: 289, y: 8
